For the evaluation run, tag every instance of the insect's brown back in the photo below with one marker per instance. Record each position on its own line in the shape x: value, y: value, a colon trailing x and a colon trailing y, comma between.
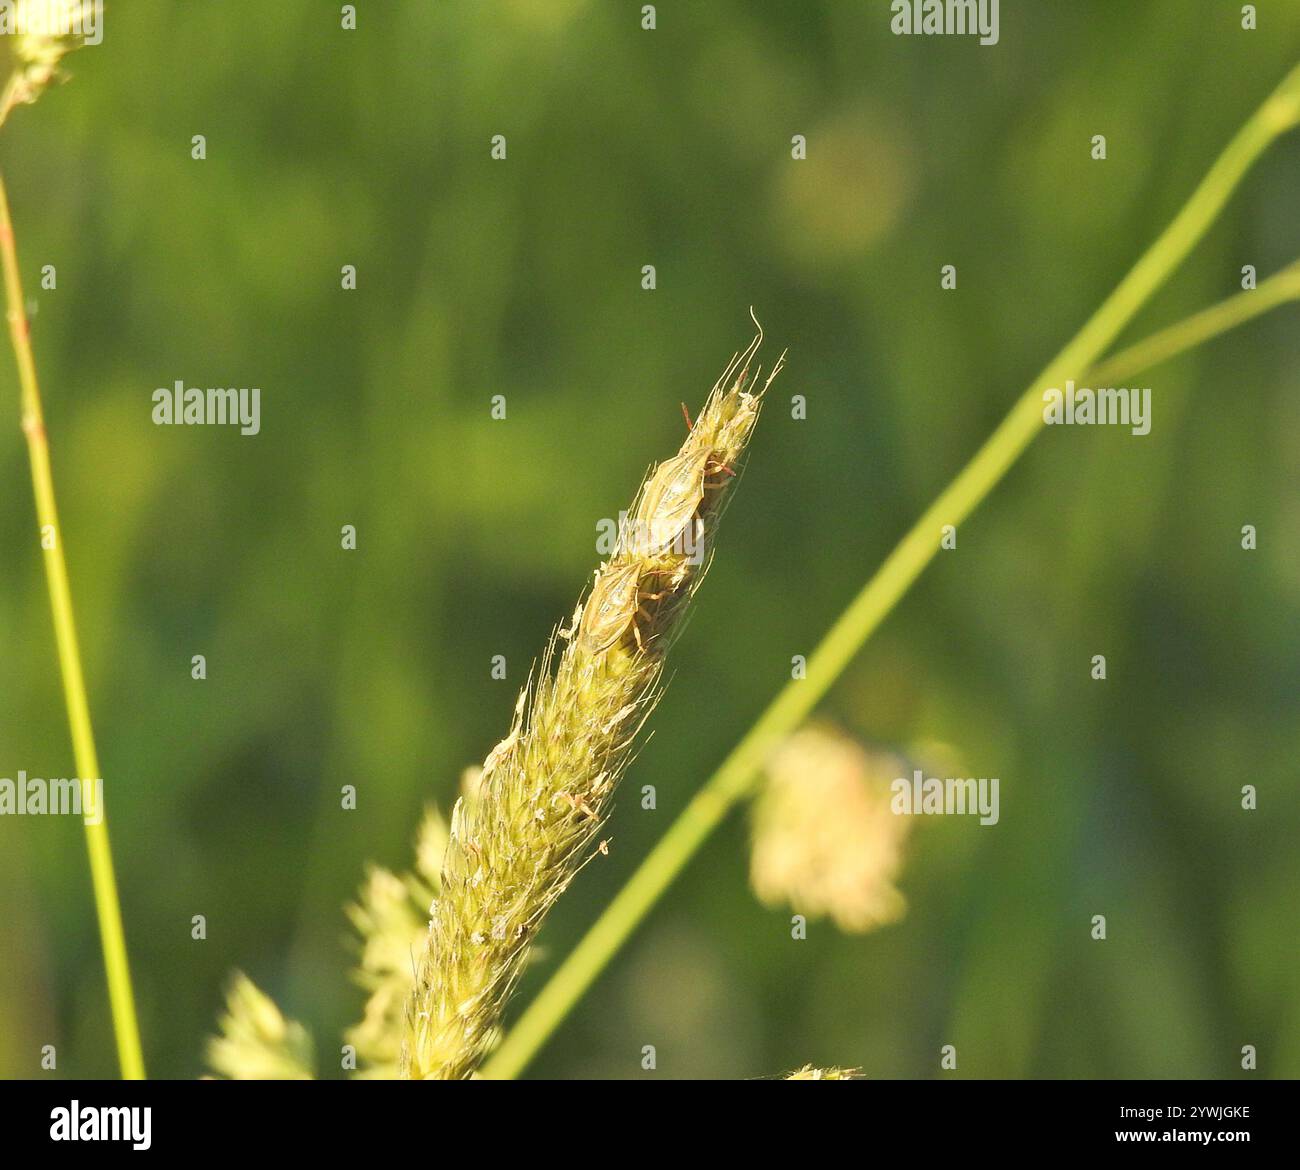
x: 610, y: 608
x: 673, y: 493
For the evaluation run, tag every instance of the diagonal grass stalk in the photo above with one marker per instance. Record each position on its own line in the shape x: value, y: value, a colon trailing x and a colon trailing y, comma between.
x: 736, y: 776
x: 111, y: 936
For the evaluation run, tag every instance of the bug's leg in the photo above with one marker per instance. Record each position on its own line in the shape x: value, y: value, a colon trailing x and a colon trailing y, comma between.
x: 649, y: 617
x: 686, y: 414
x: 575, y: 803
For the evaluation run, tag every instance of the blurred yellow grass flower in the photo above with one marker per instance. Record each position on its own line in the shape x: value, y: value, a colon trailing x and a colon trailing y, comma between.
x: 37, y: 34
x: 825, y: 841
x: 808, y: 1073
x: 391, y: 916
x: 257, y: 1043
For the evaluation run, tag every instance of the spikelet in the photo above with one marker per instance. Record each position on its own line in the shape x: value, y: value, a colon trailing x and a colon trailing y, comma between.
x: 40, y: 34
x: 391, y: 917
x: 545, y: 789
x: 808, y: 1073
x: 257, y: 1043
x: 825, y: 839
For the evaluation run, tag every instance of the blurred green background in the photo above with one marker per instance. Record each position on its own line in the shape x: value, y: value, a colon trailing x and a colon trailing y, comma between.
x: 523, y: 278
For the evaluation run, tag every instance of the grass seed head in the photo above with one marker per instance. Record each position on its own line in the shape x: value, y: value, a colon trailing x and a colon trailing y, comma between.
x: 546, y: 788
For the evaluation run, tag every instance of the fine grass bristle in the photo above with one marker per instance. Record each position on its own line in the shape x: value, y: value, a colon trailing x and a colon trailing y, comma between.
x: 546, y: 788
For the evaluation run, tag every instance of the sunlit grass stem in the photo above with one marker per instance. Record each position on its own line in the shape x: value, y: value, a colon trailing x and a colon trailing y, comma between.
x: 735, y: 778
x: 107, y: 907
